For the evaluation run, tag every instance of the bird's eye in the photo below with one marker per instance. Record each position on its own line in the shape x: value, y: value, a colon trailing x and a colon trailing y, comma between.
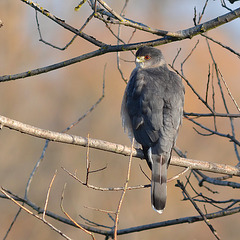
x: 147, y: 57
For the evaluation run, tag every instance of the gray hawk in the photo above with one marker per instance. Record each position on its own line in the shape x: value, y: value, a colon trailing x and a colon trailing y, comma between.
x: 152, y: 110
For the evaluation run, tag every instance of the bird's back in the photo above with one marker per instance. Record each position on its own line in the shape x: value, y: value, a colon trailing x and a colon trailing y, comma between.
x: 152, y: 111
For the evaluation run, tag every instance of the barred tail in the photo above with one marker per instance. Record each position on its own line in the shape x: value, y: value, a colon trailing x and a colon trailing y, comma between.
x: 159, y: 182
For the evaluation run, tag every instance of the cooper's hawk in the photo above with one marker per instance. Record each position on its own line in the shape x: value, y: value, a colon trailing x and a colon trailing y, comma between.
x: 152, y: 110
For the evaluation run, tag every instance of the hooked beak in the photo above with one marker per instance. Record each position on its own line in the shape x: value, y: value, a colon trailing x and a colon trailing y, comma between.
x: 140, y: 59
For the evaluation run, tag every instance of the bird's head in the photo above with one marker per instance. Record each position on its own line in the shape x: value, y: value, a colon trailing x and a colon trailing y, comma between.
x: 149, y: 57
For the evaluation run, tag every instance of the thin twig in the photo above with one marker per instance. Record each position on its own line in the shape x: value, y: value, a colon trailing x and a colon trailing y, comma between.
x: 35, y: 169
x: 203, y: 11
x: 71, y: 219
x: 39, y: 210
x: 100, y: 210
x: 222, y: 45
x: 175, y: 58
x: 179, y: 184
x: 193, y: 89
x: 190, y: 219
x: 91, y: 223
x: 216, y: 181
x: 214, y: 114
x: 178, y: 175
x: 13, y: 222
x: 177, y: 221
x: 48, y: 194
x: 188, y: 56
x: 62, y: 23
x: 36, y: 216
x: 123, y: 193
x: 224, y: 100
x: 213, y: 99
x: 70, y: 42
x: 88, y: 162
x: 208, y: 81
x: 92, y: 107
x: 109, y: 9
x: 118, y: 37
x: 28, y: 187
x: 232, y: 138
x: 104, y: 189
x: 229, y: 92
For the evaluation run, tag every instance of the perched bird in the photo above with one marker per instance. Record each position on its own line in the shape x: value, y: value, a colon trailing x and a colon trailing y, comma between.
x: 152, y: 110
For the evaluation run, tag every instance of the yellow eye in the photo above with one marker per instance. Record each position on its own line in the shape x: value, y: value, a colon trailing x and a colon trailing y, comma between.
x: 147, y: 57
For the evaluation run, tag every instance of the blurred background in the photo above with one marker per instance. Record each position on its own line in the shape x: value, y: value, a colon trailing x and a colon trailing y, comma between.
x: 56, y: 99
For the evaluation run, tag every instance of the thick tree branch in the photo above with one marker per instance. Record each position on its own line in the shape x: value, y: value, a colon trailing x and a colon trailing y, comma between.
x: 112, y: 147
x: 209, y: 25
x: 183, y: 34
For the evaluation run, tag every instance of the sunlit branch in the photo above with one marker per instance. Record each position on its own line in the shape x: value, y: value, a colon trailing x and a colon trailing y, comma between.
x: 112, y: 147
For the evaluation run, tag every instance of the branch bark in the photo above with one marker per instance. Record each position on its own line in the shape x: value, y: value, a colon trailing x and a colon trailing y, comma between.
x: 112, y: 147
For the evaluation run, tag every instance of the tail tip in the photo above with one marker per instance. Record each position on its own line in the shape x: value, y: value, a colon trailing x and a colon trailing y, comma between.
x: 160, y: 211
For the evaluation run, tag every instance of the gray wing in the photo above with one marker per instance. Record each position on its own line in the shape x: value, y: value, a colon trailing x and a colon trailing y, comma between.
x: 171, y: 113
x: 142, y: 108
x: 126, y: 120
x: 152, y: 106
x: 161, y: 151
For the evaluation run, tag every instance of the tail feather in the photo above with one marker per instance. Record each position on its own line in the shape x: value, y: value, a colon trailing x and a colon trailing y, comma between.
x: 159, y: 182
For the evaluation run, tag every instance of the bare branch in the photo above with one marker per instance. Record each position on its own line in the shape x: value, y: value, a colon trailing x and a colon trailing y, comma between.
x: 101, y: 188
x: 214, y: 114
x: 178, y: 175
x: 187, y: 33
x: 188, y: 220
x: 112, y: 147
x: 229, y: 92
x: 221, y: 44
x: 48, y: 194
x: 193, y: 89
x: 116, y: 15
x: 91, y: 108
x: 71, y: 219
x: 216, y: 181
x: 123, y: 193
x: 231, y: 137
x: 36, y: 216
x: 50, y: 214
x: 62, y: 23
x: 179, y: 184
x: 182, y: 34
x: 70, y: 42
